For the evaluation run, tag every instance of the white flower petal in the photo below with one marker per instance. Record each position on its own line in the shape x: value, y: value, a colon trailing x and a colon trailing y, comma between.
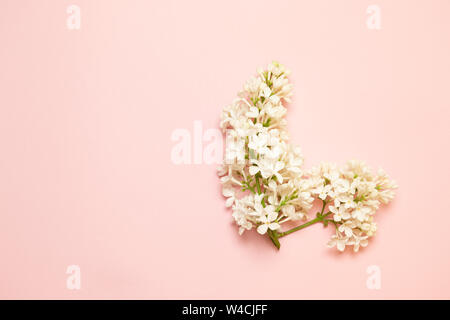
x: 229, y: 202
x: 331, y: 243
x: 253, y: 170
x: 274, y: 226
x: 262, y: 229
x: 228, y: 192
x: 340, y: 245
x: 279, y: 165
x: 271, y: 216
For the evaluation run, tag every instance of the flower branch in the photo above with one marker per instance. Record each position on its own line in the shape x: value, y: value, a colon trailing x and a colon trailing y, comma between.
x: 264, y: 181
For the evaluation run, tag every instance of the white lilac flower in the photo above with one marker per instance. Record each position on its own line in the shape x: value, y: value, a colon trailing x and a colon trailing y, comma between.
x: 259, y: 143
x: 347, y: 228
x: 341, y: 185
x: 257, y: 205
x: 253, y: 113
x: 323, y: 190
x: 235, y: 148
x: 291, y: 214
x: 358, y: 240
x: 340, y: 213
x: 240, y: 215
x: 385, y: 187
x: 229, y: 193
x: 268, y: 168
x: 263, y: 179
x: 340, y: 243
x: 268, y: 220
x: 265, y: 91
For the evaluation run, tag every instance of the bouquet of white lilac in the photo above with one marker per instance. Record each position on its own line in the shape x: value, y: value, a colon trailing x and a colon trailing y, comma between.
x: 263, y: 179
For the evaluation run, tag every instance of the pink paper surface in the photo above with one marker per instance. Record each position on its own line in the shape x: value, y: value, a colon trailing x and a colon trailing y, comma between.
x: 86, y: 118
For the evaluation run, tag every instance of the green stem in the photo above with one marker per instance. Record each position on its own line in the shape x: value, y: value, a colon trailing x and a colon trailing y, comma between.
x: 332, y: 221
x: 258, y: 185
x: 320, y: 218
x: 249, y: 187
x: 324, y: 204
x: 274, y: 237
x: 307, y: 224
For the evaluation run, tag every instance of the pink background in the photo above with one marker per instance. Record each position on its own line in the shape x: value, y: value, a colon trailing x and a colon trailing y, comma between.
x: 86, y: 118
